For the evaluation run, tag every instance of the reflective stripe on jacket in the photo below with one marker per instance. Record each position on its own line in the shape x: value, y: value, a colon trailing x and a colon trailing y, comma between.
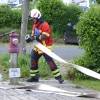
x: 44, y: 29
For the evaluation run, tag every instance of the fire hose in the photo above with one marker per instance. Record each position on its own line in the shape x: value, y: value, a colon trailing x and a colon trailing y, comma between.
x: 42, y: 88
x: 4, y: 34
x: 49, y: 89
x: 54, y: 56
x: 80, y: 68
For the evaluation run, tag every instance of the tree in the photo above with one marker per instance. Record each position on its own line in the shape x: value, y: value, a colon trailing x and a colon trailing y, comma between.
x: 24, y: 24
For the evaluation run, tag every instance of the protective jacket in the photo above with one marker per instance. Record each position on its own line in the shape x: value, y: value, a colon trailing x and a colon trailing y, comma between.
x: 44, y: 29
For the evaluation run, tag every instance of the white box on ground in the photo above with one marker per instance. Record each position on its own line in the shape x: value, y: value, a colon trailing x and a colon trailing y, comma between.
x: 14, y: 72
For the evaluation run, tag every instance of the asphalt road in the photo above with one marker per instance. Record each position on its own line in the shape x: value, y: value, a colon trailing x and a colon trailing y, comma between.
x: 65, y: 52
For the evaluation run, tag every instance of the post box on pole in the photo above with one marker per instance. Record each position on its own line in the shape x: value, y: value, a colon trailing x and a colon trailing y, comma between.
x: 14, y: 72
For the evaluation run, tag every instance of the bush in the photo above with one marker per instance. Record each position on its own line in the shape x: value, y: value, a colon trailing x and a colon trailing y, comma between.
x: 10, y: 18
x: 98, y: 1
x: 4, y: 39
x: 88, y: 28
x: 54, y: 13
x: 16, y: 17
x: 58, y: 14
x: 5, y: 13
x: 73, y: 13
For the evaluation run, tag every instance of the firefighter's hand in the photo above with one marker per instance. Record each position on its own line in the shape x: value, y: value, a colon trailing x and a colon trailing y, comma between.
x: 29, y: 38
x: 36, y: 37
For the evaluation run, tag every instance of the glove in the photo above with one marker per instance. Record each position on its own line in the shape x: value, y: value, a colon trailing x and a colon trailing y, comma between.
x: 29, y: 38
x: 36, y: 37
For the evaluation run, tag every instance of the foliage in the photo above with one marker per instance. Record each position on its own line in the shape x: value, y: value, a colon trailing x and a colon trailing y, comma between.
x: 55, y: 12
x: 24, y: 65
x: 58, y: 14
x: 84, y: 61
x: 44, y: 69
x: 89, y: 30
x: 16, y: 18
x: 73, y: 13
x: 32, y: 4
x: 92, y: 84
x: 98, y: 1
x: 5, y: 13
x: 10, y: 18
x: 4, y: 39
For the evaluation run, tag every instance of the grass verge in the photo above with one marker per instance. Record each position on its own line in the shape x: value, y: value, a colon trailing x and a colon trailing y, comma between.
x: 23, y: 64
x: 93, y: 84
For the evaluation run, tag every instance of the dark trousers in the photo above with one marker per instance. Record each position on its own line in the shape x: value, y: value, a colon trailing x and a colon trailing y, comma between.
x: 34, y: 61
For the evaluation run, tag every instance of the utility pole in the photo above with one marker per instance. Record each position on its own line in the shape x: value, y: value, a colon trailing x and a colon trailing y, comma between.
x: 24, y: 23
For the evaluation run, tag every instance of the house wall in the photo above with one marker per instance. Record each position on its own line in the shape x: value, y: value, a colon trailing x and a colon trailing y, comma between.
x: 72, y: 1
x: 13, y: 1
x: 86, y: 3
x: 3, y: 1
x: 10, y: 1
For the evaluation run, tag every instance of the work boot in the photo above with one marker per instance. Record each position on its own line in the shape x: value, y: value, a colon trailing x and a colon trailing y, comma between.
x: 34, y: 78
x: 59, y: 78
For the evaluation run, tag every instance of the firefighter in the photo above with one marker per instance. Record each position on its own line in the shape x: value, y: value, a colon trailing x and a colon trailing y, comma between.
x: 42, y: 33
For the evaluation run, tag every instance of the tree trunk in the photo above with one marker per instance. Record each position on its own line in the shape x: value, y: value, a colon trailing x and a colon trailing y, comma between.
x: 24, y: 24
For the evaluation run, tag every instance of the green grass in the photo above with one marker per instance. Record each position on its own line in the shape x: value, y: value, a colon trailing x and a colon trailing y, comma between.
x: 24, y: 65
x: 4, y: 44
x: 93, y: 84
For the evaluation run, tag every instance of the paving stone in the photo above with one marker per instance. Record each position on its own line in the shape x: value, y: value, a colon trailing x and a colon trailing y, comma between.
x: 22, y: 94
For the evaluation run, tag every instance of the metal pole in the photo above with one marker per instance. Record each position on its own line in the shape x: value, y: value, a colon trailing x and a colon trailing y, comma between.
x: 13, y: 61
